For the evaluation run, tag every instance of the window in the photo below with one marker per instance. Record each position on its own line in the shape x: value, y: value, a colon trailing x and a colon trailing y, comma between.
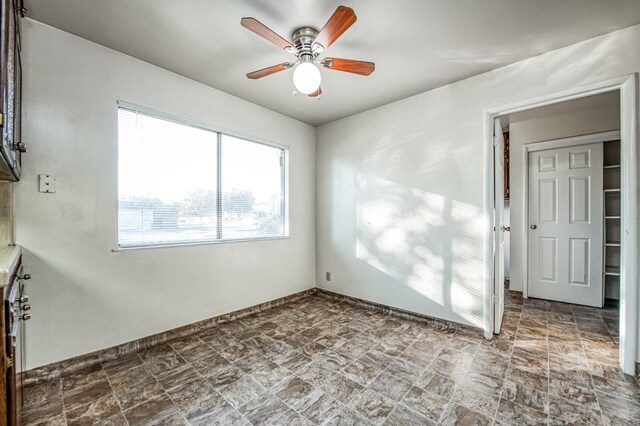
x: 182, y: 184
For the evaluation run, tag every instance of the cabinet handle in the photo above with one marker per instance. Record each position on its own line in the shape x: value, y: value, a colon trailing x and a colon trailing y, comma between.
x: 25, y: 317
x: 534, y: 226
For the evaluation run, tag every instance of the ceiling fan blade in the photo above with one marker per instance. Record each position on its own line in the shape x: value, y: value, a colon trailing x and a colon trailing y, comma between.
x: 339, y: 22
x: 349, y: 65
x: 316, y: 93
x: 269, y: 70
x: 265, y: 32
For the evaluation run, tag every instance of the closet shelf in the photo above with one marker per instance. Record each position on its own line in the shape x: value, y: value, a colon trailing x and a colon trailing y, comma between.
x: 612, y: 244
x: 612, y: 270
x: 612, y: 217
x: 612, y: 166
x: 612, y: 190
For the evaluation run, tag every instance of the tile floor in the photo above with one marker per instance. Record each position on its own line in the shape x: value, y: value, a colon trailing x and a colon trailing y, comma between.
x: 318, y: 361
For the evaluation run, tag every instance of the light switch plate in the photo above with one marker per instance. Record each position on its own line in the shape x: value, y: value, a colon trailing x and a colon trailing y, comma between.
x: 47, y: 183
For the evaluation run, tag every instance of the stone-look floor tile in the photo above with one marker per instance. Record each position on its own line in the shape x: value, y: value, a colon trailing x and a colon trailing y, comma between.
x: 242, y: 391
x: 292, y: 418
x: 579, y: 376
x: 496, y: 347
x: 94, y: 412
x: 293, y: 361
x: 372, y: 406
x: 252, y: 362
x: 39, y: 414
x: 390, y: 386
x: 347, y: 417
x: 224, y: 375
x: 510, y: 413
x: 425, y: 403
x: 194, y: 353
x: 264, y: 409
x: 319, y: 406
x: 404, y: 416
x: 315, y: 373
x: 178, y: 376
x: 270, y: 375
x: 83, y: 377
x: 361, y: 373
x: 531, y: 360
x: 86, y: 394
x: 563, y: 409
x: 528, y: 379
x: 175, y: 419
x: 476, y: 400
x: 574, y: 392
x: 359, y: 366
x: 163, y: 362
x: 406, y: 369
x: 139, y: 392
x: 206, y: 409
x: 621, y: 407
x: 122, y: 366
x: 436, y: 383
x: 186, y: 393
x: 293, y: 391
x: 525, y: 395
x: 233, y: 418
x: 457, y: 415
x: 492, y: 365
x: 452, y: 371
x: 150, y: 412
x: 629, y: 390
x: 483, y: 382
x: 376, y: 359
x: 42, y: 393
x: 134, y: 375
x: 455, y: 356
x: 342, y: 388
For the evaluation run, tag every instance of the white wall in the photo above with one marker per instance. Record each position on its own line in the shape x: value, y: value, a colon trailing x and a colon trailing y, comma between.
x: 401, y: 217
x: 595, y: 114
x: 86, y: 297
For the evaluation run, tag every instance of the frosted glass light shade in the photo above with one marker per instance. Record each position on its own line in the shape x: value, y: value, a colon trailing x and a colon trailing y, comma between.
x: 306, y: 78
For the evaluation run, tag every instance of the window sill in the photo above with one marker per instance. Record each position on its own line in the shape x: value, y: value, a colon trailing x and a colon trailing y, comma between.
x: 203, y: 243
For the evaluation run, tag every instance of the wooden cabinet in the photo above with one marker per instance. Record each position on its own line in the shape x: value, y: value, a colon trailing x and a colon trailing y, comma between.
x: 12, y: 145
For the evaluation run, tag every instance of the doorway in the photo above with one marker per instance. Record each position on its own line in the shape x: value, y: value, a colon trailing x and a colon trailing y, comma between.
x: 625, y: 86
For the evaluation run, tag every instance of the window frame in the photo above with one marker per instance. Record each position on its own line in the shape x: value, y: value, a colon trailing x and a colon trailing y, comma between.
x: 217, y: 132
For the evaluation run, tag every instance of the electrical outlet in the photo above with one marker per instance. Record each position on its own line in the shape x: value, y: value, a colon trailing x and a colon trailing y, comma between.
x: 327, y: 276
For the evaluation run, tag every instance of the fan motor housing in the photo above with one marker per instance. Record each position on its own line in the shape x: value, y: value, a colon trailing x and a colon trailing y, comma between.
x: 303, y: 40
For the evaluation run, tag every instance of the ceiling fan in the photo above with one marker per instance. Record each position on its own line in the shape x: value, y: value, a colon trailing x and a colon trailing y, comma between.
x: 307, y: 44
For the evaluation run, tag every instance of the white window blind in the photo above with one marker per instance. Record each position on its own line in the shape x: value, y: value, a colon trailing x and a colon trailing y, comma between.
x: 181, y: 184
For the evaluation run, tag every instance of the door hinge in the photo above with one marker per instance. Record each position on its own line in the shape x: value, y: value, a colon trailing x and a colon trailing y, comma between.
x: 281, y: 161
x: 1, y: 119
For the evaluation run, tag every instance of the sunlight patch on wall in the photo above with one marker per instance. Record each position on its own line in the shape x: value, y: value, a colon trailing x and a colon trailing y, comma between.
x: 423, y: 241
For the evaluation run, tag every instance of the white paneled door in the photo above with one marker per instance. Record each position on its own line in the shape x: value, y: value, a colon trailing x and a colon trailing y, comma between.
x: 565, y: 224
x: 498, y: 273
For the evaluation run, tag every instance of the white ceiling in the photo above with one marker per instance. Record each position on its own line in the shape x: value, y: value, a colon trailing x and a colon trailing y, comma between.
x: 417, y: 45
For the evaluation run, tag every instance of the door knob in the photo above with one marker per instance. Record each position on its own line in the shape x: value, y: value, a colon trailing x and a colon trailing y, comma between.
x: 534, y: 226
x: 25, y: 317
x: 505, y: 228
x: 26, y: 307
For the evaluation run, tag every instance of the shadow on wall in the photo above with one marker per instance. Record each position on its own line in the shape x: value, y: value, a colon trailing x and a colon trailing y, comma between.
x: 423, y: 241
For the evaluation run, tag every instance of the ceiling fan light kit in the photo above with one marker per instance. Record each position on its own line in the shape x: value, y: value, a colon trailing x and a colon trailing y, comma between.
x: 307, y: 45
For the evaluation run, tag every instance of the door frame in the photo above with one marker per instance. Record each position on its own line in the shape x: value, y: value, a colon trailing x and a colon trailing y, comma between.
x: 541, y: 146
x: 627, y: 86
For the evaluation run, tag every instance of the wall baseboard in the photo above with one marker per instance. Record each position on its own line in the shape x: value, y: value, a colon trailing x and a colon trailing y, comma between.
x: 75, y: 364
x: 437, y: 323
